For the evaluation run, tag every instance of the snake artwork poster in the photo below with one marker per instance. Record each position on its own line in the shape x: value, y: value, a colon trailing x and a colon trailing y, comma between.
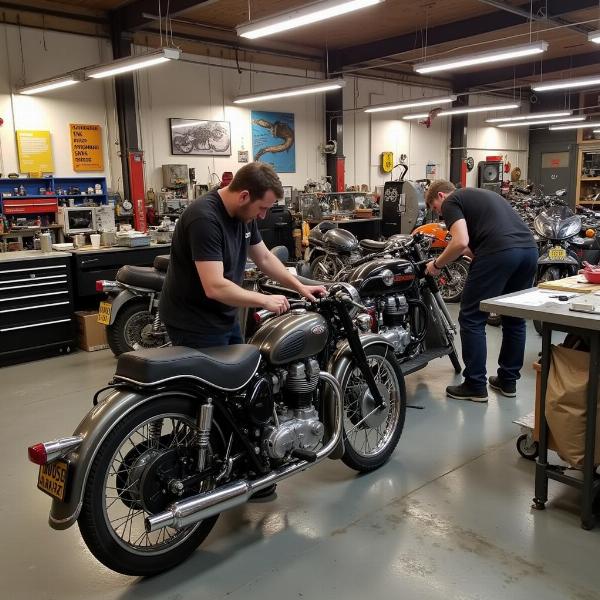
x: 273, y: 140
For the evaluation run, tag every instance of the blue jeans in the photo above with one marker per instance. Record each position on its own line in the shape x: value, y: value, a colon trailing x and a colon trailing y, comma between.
x: 493, y: 275
x: 192, y: 339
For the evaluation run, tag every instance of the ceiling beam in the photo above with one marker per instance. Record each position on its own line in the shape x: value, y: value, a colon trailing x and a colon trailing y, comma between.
x: 547, y: 67
x: 139, y: 13
x: 449, y: 32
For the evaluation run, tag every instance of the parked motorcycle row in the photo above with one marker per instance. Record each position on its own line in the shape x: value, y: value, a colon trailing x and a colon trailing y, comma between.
x: 180, y: 435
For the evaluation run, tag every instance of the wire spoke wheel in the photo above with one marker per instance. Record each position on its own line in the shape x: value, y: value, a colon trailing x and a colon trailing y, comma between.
x: 371, y: 433
x: 326, y: 267
x: 138, y: 331
x: 135, y: 482
x: 452, y: 280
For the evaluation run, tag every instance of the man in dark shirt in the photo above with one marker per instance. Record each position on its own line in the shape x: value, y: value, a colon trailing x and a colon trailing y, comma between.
x: 485, y: 227
x: 211, y: 242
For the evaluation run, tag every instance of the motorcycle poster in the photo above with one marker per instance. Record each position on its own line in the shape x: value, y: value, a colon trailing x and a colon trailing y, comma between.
x: 201, y: 138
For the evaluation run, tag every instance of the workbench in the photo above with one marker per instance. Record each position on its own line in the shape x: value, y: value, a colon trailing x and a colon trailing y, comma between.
x: 557, y: 317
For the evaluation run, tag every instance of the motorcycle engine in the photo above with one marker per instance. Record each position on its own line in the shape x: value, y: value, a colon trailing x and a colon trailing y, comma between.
x: 298, y: 424
x: 395, y: 328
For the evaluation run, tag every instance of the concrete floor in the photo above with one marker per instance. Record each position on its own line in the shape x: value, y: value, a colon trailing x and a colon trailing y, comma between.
x: 448, y: 517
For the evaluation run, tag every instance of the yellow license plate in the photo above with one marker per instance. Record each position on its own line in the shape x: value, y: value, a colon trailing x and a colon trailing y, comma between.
x: 557, y: 253
x: 52, y: 479
x: 104, y: 313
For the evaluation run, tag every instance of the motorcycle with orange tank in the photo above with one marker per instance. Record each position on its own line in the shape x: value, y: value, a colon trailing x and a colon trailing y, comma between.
x: 452, y: 279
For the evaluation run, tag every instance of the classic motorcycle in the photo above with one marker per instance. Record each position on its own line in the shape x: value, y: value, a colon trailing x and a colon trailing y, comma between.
x: 403, y: 303
x: 183, y: 435
x: 131, y: 311
x: 556, y: 226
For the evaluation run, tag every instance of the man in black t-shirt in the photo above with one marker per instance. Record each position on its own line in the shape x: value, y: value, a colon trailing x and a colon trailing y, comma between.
x: 212, y: 240
x: 484, y: 226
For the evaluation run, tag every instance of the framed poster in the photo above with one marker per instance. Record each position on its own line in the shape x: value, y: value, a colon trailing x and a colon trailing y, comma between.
x: 35, y: 152
x: 86, y: 147
x: 273, y: 140
x: 200, y: 138
x: 287, y: 195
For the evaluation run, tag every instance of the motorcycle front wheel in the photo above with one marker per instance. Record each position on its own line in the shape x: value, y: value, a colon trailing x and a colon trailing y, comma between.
x: 452, y: 280
x: 132, y: 477
x: 370, y: 435
x: 325, y: 267
x: 133, y: 329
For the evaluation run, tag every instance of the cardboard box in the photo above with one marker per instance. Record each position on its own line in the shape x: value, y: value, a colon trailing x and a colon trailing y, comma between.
x: 91, y: 335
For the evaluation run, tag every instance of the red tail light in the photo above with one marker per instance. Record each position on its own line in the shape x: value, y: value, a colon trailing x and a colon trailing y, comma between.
x: 99, y: 285
x: 37, y: 454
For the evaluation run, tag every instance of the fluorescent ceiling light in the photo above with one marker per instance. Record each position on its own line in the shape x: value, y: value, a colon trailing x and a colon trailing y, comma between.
x: 313, y: 88
x: 561, y: 84
x: 540, y: 122
x: 594, y: 36
x: 532, y: 116
x: 465, y: 110
x: 578, y: 126
x: 49, y: 84
x: 132, y: 63
x: 411, y: 103
x: 491, y: 56
x: 317, y: 11
x: 411, y: 117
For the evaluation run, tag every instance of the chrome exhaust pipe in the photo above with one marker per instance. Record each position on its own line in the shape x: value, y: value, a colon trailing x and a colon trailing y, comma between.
x: 209, y: 504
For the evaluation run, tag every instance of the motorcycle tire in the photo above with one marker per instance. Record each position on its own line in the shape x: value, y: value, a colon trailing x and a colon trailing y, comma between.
x: 355, y: 409
x: 550, y: 274
x: 125, y: 334
x: 459, y: 270
x: 325, y: 267
x: 99, y: 534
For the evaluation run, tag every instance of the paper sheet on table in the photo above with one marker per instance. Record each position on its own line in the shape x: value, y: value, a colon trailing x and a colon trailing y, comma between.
x: 536, y: 298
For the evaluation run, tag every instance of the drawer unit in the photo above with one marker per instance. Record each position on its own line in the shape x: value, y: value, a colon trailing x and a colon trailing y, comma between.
x: 29, y: 206
x: 36, y: 305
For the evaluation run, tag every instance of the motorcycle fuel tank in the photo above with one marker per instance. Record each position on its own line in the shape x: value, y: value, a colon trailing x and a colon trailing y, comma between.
x: 383, y: 276
x: 340, y: 240
x: 291, y: 337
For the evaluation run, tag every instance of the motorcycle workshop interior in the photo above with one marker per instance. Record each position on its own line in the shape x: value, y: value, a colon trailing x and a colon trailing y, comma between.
x: 326, y: 444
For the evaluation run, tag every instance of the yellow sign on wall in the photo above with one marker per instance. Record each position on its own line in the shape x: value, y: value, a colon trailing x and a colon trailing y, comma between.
x: 35, y: 151
x: 86, y: 147
x: 387, y: 162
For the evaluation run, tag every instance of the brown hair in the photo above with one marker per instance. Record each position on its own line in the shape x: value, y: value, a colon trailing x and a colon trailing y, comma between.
x: 257, y: 178
x: 439, y: 185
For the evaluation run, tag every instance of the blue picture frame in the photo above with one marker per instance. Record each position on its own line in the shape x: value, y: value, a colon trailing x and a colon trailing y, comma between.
x: 274, y: 140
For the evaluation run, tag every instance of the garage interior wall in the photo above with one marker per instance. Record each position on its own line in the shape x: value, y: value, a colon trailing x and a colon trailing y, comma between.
x: 192, y: 89
x: 31, y: 55
x: 512, y: 143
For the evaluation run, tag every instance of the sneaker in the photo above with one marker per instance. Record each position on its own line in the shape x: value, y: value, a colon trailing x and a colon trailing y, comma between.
x: 506, y: 388
x: 466, y: 392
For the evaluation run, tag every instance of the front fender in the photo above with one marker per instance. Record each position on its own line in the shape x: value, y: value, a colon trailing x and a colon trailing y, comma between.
x: 94, y: 429
x: 337, y: 366
x: 118, y: 301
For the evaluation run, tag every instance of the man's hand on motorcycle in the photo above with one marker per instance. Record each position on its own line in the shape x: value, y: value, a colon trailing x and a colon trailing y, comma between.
x: 312, y: 292
x: 431, y: 270
x: 277, y: 304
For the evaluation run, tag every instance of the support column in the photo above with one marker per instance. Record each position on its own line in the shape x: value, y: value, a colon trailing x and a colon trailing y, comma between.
x: 334, y: 131
x: 125, y: 101
x: 458, y: 140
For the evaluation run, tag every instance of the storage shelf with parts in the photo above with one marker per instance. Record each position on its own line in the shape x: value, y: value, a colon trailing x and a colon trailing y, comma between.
x: 36, y: 304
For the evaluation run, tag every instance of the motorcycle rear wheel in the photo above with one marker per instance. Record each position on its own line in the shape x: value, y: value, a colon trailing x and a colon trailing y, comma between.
x: 122, y: 483
x: 370, y: 441
x: 132, y: 328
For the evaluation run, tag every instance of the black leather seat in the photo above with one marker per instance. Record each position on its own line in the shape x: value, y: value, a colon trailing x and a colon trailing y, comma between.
x: 372, y: 245
x: 161, y: 263
x: 227, y: 367
x: 144, y: 277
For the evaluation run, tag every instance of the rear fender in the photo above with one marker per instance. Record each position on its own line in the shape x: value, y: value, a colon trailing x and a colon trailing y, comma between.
x: 338, y: 365
x: 120, y: 300
x: 94, y: 429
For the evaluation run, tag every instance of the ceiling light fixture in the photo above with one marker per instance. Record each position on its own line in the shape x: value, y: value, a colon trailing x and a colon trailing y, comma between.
x: 411, y: 103
x: 531, y: 116
x: 313, y: 88
x: 491, y: 56
x: 49, y: 84
x: 465, y: 110
x: 411, y: 117
x: 540, y: 122
x: 577, y: 126
x: 562, y: 84
x: 312, y: 13
x: 594, y: 36
x: 132, y: 63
